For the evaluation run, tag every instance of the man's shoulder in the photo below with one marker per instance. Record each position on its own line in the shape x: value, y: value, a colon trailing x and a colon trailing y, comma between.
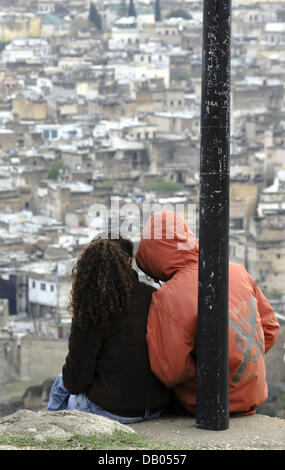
x: 237, y: 268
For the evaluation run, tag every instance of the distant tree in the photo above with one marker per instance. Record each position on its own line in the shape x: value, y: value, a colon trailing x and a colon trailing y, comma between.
x: 178, y: 75
x: 55, y: 169
x: 180, y: 13
x: 94, y: 16
x: 3, y: 44
x: 123, y: 8
x: 157, y: 10
x: 132, y: 10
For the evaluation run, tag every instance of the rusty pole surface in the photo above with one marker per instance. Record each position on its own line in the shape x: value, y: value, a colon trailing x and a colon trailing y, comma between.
x: 212, y: 411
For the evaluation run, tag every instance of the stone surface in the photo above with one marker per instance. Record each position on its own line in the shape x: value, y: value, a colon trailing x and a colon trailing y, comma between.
x: 256, y: 432
x: 57, y: 424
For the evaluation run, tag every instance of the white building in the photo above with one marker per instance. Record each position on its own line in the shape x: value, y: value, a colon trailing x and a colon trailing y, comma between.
x: 48, y: 286
x: 51, y: 132
x: 25, y: 49
x: 42, y: 292
x: 141, y: 71
x: 152, y: 54
x: 274, y: 33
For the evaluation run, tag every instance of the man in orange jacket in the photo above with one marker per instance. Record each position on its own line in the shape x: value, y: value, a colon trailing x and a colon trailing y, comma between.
x: 168, y: 251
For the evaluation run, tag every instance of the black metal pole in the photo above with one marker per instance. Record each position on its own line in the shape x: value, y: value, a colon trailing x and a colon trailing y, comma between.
x: 212, y: 411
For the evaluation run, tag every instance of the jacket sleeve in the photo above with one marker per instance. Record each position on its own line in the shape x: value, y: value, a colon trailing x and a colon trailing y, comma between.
x: 268, y: 318
x: 79, y: 367
x: 169, y: 346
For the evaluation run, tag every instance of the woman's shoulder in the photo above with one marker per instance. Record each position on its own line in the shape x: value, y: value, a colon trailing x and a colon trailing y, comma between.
x: 146, y: 287
x: 143, y: 286
x: 142, y: 294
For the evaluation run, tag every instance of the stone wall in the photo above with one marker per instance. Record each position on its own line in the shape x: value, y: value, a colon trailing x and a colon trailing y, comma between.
x: 42, y: 359
x: 9, y: 358
x: 275, y: 359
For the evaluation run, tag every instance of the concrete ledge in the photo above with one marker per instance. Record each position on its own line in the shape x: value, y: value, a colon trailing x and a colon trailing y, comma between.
x: 255, y: 432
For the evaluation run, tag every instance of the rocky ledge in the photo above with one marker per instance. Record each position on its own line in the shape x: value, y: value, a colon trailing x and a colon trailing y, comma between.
x: 258, y: 432
x: 57, y: 424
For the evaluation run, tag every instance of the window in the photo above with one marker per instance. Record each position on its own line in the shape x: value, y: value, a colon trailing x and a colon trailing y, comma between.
x: 33, y: 284
x: 52, y: 288
x: 43, y: 286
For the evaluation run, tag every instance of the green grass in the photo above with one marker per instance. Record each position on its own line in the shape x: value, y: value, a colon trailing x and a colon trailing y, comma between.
x: 119, y: 440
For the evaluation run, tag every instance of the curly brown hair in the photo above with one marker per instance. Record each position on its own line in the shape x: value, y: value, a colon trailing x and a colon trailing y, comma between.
x: 102, y: 281
x: 125, y: 243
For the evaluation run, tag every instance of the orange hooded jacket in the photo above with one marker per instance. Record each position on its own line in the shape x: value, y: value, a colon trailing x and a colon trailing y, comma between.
x: 168, y: 251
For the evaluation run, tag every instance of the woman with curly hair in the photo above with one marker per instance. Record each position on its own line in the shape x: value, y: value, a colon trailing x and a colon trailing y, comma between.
x: 107, y: 370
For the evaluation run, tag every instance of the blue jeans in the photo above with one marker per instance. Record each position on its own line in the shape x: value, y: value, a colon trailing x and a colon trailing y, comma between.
x: 60, y: 399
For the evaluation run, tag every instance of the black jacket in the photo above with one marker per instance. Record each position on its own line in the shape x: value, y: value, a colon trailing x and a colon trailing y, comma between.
x: 112, y: 366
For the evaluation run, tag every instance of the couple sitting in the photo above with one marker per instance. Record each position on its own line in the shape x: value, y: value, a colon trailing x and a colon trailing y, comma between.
x: 132, y: 348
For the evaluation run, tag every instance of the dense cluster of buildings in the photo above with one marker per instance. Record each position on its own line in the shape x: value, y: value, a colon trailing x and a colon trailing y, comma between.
x: 93, y: 112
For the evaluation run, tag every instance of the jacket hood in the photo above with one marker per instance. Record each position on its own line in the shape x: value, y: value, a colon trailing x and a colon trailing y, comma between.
x: 167, y: 245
